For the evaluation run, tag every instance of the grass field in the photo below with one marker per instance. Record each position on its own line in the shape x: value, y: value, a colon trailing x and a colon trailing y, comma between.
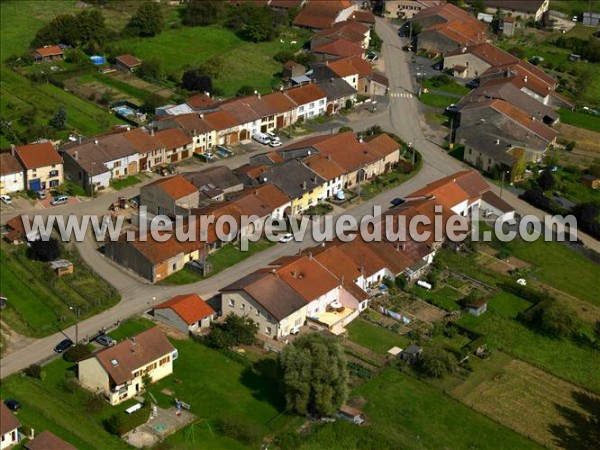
x: 406, y: 413
x: 437, y: 101
x: 567, y: 359
x: 580, y: 120
x: 375, y: 337
x: 533, y: 403
x: 444, y: 297
x: 123, y: 183
x: 225, y: 257
x: 451, y: 87
x: 246, y: 63
x: 38, y: 299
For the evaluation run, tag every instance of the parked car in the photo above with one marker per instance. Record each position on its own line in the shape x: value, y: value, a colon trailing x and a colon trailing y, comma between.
x: 473, y: 83
x: 40, y: 194
x: 272, y: 136
x: 60, y: 200
x: 6, y: 199
x: 63, y: 345
x: 286, y: 238
x: 262, y: 138
x: 452, y: 108
x: 12, y: 404
x: 294, y: 331
x: 106, y: 340
x: 275, y: 144
x: 398, y: 201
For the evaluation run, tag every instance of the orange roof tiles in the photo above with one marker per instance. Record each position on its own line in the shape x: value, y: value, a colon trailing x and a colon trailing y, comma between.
x: 489, y: 53
x: 280, y: 102
x: 339, y: 47
x: 131, y: 354
x: 200, y: 101
x: 307, y: 277
x: 190, y: 307
x: 305, y: 94
x: 320, y: 14
x: 176, y: 186
x: 221, y: 120
x: 47, y: 440
x: 343, y: 68
x: 8, y: 421
x: 34, y: 156
x: 9, y: 164
x: 51, y: 50
x: 173, y: 138
x: 324, y: 166
x: 129, y: 61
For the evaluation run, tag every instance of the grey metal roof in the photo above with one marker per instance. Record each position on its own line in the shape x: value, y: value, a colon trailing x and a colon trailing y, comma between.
x: 293, y: 178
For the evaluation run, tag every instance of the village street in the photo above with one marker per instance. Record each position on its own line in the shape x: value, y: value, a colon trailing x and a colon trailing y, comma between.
x: 401, y: 117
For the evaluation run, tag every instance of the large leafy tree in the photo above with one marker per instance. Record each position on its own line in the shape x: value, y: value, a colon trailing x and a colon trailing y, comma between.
x: 436, y: 362
x: 148, y: 20
x: 84, y: 29
x: 236, y: 330
x: 315, y: 375
x: 203, y: 12
x: 194, y: 80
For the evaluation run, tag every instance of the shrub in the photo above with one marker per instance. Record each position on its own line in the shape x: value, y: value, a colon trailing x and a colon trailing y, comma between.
x: 344, y: 129
x: 121, y: 422
x: 33, y: 371
x: 95, y: 403
x: 77, y: 353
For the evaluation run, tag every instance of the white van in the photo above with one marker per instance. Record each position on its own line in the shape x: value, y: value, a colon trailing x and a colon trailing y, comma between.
x: 60, y: 200
x: 262, y: 138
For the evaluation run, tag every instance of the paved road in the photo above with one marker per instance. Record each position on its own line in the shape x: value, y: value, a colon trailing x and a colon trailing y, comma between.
x: 401, y: 117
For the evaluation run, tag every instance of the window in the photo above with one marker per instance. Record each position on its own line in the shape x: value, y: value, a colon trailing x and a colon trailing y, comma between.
x: 301, y: 109
x: 53, y: 183
x: 268, y: 330
x: 243, y: 306
x: 232, y: 303
x: 322, y: 102
x: 117, y: 164
x: 257, y: 312
x: 174, y: 266
x: 164, y: 360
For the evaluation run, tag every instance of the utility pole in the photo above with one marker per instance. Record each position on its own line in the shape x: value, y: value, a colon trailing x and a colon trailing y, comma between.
x: 504, y: 172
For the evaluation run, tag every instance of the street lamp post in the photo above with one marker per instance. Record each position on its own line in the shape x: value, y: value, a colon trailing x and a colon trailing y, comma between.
x: 78, y: 309
x: 504, y: 172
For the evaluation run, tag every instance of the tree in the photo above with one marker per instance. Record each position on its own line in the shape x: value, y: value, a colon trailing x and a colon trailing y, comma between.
x: 245, y: 91
x: 59, y: 120
x: 203, y: 12
x: 252, y: 22
x: 77, y: 353
x: 478, y: 6
x: 151, y: 102
x: 284, y: 56
x: 84, y: 29
x: 436, y: 362
x: 583, y: 84
x: 193, y: 80
x: 212, y: 67
x: 44, y: 250
x: 315, y: 376
x: 236, y: 330
x: 148, y: 20
x: 559, y: 319
x: 546, y: 180
x: 150, y: 70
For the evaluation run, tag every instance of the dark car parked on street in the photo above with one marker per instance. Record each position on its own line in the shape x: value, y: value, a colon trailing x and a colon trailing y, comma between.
x: 63, y: 345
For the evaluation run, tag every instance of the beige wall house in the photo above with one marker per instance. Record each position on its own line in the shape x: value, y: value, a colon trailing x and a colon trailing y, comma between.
x: 42, y: 163
x: 169, y: 196
x: 12, y: 175
x: 407, y: 9
x: 117, y: 371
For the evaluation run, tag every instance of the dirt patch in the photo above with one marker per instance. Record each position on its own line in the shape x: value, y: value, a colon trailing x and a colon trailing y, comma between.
x: 587, y: 149
x: 425, y: 312
x: 536, y: 404
x: 11, y: 340
x: 503, y: 266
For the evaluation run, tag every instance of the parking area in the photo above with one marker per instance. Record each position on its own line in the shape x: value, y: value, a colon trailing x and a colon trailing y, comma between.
x: 47, y: 202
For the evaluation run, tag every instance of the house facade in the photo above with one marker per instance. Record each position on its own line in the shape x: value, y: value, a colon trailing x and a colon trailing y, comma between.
x: 117, y: 372
x: 12, y: 175
x: 187, y: 313
x: 42, y: 163
x: 9, y: 427
x: 406, y: 9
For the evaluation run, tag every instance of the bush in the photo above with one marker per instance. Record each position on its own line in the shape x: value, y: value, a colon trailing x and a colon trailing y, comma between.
x: 95, y: 403
x: 77, y: 353
x: 284, y: 56
x: 236, y: 428
x: 33, y: 371
x: 345, y: 129
x: 121, y: 422
x: 70, y: 385
x: 359, y: 371
x: 436, y: 362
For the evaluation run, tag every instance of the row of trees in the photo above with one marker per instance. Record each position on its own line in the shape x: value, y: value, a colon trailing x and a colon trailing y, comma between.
x: 86, y: 29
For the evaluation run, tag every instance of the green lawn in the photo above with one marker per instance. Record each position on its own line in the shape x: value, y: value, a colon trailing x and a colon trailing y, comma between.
x: 246, y: 63
x: 560, y: 267
x: 451, y: 88
x: 38, y: 299
x: 48, y: 406
x: 580, y: 119
x: 567, y: 359
x: 225, y: 257
x: 123, y: 183
x: 573, y: 7
x: 444, y: 298
x: 406, y: 413
x: 131, y: 327
x: 568, y: 183
x: 388, y: 180
x: 132, y: 91
x: 375, y: 337
x: 438, y: 101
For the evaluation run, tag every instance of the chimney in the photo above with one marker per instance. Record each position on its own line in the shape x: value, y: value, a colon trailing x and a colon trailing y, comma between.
x: 304, y: 185
x: 464, y: 50
x: 525, y: 79
x: 75, y: 155
x: 294, y: 274
x: 314, y: 179
x: 497, y: 141
x: 310, y: 256
x: 31, y: 434
x: 13, y: 148
x: 259, y: 96
x: 151, y: 131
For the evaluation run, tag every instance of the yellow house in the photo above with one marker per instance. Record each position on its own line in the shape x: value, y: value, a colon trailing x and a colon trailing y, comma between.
x: 42, y: 163
x: 118, y: 372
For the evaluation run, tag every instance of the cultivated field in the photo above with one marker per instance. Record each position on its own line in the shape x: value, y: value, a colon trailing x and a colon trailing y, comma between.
x: 536, y: 404
x: 588, y: 144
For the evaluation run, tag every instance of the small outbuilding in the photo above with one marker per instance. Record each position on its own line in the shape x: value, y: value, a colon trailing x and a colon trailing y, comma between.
x: 61, y: 267
x: 128, y: 63
x: 476, y: 307
x: 49, y: 53
x: 187, y: 313
x: 412, y: 354
x: 351, y: 414
x: 591, y: 181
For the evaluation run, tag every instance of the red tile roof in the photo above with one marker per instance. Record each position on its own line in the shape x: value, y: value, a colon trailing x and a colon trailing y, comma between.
x: 172, y: 138
x: 8, y: 421
x: 220, y: 120
x: 190, y: 307
x: 320, y: 14
x: 129, y: 61
x: 339, y: 47
x: 324, y: 166
x: 192, y: 123
x: 343, y: 68
x: 285, y: 4
x: 47, y: 440
x: 133, y: 354
x: 537, y: 127
x: 50, y: 50
x: 34, y: 156
x: 350, y: 30
x: 175, y: 187
x: 280, y: 102
x: 305, y: 94
x: 364, y: 17
x: 9, y: 164
x: 488, y: 53
x: 307, y: 277
x: 200, y: 101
